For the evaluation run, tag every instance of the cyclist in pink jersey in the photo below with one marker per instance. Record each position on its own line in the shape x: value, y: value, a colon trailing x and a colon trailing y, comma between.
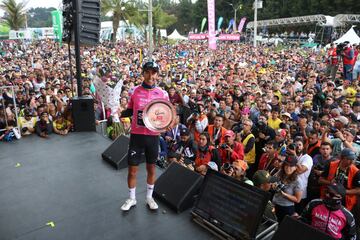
x: 142, y: 139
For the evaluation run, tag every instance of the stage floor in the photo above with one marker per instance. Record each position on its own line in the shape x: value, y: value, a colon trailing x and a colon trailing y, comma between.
x: 64, y: 180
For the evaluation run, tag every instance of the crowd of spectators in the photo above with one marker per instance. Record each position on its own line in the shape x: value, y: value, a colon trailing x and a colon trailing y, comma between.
x: 290, y: 113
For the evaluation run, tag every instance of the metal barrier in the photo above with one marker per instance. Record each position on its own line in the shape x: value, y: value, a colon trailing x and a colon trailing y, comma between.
x: 5, y: 89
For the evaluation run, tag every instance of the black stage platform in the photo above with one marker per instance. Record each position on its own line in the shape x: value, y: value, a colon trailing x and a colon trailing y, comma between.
x: 63, y: 180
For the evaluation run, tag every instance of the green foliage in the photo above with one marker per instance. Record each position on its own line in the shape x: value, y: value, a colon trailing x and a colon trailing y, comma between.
x: 161, y: 19
x: 15, y: 15
x: 39, y: 17
x: 121, y: 11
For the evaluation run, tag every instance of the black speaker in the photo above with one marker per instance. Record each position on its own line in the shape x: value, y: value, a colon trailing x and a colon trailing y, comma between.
x: 178, y: 187
x: 89, y: 21
x: 83, y: 114
x: 90, y: 24
x: 116, y: 153
x: 293, y: 229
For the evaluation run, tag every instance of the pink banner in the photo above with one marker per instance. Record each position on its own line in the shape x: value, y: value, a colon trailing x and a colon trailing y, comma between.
x: 201, y: 36
x: 229, y: 37
x: 241, y: 24
x: 211, y: 24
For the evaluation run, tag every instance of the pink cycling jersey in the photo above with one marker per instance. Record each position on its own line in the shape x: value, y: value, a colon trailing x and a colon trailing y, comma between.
x: 339, y: 223
x: 139, y: 98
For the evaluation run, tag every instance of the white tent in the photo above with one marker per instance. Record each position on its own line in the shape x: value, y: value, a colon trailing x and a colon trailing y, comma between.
x: 350, y: 36
x: 176, y: 36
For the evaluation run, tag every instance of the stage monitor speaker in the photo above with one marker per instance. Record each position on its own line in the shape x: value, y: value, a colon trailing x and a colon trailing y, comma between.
x: 178, y: 187
x: 293, y: 229
x: 83, y: 114
x: 233, y: 208
x: 116, y: 153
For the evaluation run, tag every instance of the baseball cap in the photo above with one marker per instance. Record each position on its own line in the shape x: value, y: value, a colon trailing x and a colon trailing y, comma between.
x: 338, y: 188
x: 281, y: 132
x: 287, y: 115
x: 241, y: 164
x: 352, y: 131
x: 342, y: 119
x: 348, y: 154
x: 291, y: 161
x: 356, y: 104
x: 263, y: 176
x: 184, y: 132
x: 229, y: 133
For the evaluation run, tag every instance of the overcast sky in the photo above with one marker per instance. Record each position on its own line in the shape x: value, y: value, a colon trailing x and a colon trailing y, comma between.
x: 39, y: 3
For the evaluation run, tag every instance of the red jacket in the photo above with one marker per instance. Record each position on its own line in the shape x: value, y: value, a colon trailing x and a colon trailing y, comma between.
x: 238, y: 153
x: 347, y: 56
x: 264, y: 162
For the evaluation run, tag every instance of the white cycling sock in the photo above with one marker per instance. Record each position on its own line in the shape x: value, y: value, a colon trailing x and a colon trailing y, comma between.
x: 132, y: 193
x: 149, y: 190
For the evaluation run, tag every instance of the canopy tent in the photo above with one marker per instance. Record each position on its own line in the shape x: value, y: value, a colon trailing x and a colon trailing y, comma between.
x: 350, y: 36
x: 175, y: 35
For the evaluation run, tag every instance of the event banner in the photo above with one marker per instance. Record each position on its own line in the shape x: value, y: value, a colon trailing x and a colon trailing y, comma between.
x: 222, y: 37
x: 211, y: 19
x: 229, y: 37
x: 57, y: 24
x: 199, y: 36
x: 241, y: 24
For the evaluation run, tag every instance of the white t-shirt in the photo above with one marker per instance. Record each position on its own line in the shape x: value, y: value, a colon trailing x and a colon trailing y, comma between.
x: 305, y: 160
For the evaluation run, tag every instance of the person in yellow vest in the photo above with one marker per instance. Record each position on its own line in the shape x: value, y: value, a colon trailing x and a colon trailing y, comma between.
x: 27, y: 123
x: 248, y: 140
x: 274, y: 121
x: 344, y: 172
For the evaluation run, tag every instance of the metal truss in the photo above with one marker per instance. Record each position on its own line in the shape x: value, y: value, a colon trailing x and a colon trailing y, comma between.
x: 342, y: 19
x: 319, y: 19
x: 339, y: 20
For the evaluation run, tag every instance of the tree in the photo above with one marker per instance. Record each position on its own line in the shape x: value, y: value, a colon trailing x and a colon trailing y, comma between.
x: 15, y: 13
x: 161, y: 19
x: 40, y: 17
x: 121, y: 11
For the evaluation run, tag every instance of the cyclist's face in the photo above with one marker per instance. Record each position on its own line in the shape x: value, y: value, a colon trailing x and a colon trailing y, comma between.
x: 150, y: 77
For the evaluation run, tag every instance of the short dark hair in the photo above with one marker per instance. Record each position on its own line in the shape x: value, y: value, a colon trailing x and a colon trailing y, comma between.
x: 273, y: 143
x: 220, y: 116
x: 313, y: 132
x: 325, y: 143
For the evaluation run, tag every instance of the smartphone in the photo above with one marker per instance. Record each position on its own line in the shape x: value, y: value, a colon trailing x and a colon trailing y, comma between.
x: 55, y: 91
x: 47, y: 99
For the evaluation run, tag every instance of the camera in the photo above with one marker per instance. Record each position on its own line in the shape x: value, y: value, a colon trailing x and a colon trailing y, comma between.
x: 237, y: 127
x: 227, y: 167
x: 333, y: 130
x: 292, y: 146
x: 340, y: 48
x: 223, y: 146
x: 279, y: 186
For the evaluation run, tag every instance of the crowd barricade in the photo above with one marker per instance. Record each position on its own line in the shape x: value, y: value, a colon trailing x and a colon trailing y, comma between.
x: 15, y: 110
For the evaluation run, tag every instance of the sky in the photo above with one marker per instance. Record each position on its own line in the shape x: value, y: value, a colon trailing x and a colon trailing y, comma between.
x: 38, y: 3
